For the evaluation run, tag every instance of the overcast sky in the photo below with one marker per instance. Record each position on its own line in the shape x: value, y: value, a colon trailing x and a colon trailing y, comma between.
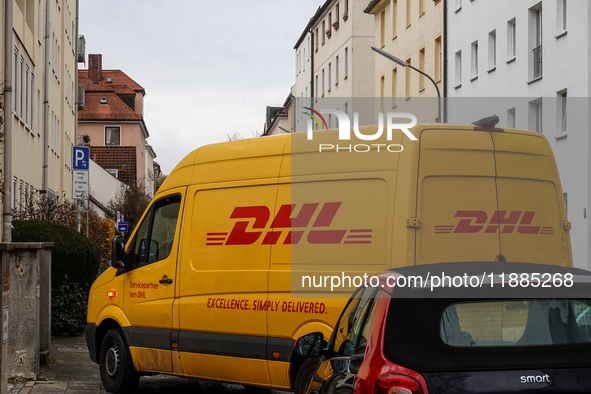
x: 209, y: 68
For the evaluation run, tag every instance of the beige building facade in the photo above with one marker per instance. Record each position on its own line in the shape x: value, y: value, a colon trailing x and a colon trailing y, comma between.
x: 413, y: 31
x: 334, y: 60
x: 40, y: 107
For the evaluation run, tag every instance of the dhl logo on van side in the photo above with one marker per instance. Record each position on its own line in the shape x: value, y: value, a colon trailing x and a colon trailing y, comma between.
x: 318, y: 234
x: 499, y: 219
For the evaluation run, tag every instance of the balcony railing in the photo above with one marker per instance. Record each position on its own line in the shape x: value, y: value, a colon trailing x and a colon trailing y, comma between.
x: 537, y: 52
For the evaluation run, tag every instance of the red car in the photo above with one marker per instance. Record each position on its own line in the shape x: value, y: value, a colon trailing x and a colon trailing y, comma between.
x: 529, y: 335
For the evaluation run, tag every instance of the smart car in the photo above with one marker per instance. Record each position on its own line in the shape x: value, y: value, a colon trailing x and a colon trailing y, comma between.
x: 522, y: 330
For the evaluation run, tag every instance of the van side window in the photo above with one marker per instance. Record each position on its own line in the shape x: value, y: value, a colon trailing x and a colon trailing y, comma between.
x: 157, y: 230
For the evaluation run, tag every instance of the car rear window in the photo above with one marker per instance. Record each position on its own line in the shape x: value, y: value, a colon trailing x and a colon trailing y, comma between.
x: 516, y: 323
x: 447, y: 334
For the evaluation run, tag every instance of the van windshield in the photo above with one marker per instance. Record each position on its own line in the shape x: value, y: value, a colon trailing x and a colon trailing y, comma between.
x: 516, y: 323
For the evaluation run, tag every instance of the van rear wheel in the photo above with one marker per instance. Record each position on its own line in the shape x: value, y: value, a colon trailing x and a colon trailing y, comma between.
x: 117, y: 372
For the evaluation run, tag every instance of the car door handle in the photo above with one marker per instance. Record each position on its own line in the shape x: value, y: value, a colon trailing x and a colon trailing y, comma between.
x: 166, y: 281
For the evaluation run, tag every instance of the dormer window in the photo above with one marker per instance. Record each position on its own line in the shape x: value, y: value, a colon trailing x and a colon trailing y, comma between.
x: 109, y: 80
x: 103, y: 100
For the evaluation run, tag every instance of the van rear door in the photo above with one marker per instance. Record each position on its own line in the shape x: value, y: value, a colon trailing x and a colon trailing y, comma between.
x: 487, y: 196
x: 532, y: 217
x: 456, y: 197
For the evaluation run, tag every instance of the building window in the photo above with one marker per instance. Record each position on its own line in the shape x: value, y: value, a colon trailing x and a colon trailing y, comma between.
x: 394, y: 16
x: 438, y: 58
x: 407, y: 86
x: 458, y: 5
x: 492, y: 50
x: 113, y: 135
x: 562, y: 114
x: 382, y: 28
x: 407, y: 13
x: 382, y: 87
x: 421, y: 7
x: 316, y: 86
x: 14, y: 194
x: 337, y: 13
x: 26, y: 94
x: 511, y: 118
x: 323, y: 32
x: 346, y: 8
x: 536, y: 35
x: 21, y: 86
x: 316, y: 47
x: 329, y: 24
x: 346, y: 63
x: 20, y: 192
x: 458, y: 81
x: 113, y: 171
x: 511, y: 39
x: 535, y: 118
x: 103, y: 100
x: 329, y: 77
x: 560, y: 16
x: 322, y: 82
x: 474, y: 63
x: 422, y: 68
x: 394, y: 82
x: 336, y: 69
x: 15, y: 87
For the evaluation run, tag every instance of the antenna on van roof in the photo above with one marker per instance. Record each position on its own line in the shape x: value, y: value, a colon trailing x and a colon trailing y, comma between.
x: 487, y: 123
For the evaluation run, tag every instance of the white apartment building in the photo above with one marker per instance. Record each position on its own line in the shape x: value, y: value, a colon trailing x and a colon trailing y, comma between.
x: 40, y: 106
x: 529, y: 62
x: 334, y: 60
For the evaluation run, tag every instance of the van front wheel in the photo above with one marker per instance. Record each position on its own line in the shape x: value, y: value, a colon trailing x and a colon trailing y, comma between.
x: 117, y: 372
x: 303, y: 381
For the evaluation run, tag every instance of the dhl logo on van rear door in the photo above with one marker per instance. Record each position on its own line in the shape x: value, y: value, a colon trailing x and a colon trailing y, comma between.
x: 476, y: 221
x: 317, y: 234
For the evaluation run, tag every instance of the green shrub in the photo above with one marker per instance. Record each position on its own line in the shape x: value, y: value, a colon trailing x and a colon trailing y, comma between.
x: 68, y: 308
x: 74, y: 265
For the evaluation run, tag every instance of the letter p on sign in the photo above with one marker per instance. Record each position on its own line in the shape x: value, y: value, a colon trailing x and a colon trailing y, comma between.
x: 80, y: 157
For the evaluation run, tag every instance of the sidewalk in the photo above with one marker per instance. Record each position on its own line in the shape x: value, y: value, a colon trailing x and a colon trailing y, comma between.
x: 72, y: 372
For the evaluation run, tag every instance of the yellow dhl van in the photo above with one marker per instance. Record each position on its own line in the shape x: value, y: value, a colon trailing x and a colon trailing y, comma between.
x: 225, y: 270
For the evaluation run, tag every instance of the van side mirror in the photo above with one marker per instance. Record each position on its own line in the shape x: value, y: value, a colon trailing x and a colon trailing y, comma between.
x: 118, y: 252
x: 356, y: 359
x: 309, y: 345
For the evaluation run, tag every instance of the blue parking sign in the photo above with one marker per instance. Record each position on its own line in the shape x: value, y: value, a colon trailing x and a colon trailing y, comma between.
x: 122, y: 227
x: 80, y: 157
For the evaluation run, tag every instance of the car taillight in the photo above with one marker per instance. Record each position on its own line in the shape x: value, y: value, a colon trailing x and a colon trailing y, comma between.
x: 397, y: 384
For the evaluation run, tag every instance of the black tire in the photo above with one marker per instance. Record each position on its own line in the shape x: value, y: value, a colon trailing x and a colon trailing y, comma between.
x: 343, y: 390
x: 117, y: 372
x: 305, y: 375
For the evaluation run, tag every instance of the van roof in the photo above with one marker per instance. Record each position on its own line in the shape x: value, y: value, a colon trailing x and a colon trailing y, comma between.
x: 269, y: 147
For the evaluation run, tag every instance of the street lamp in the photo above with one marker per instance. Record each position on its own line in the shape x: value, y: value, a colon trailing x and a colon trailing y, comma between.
x: 405, y: 64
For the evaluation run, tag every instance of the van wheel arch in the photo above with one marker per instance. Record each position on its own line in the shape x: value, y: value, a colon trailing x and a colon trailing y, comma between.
x: 102, y: 329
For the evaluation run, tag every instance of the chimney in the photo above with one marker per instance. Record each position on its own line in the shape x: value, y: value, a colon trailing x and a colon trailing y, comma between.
x: 95, y: 68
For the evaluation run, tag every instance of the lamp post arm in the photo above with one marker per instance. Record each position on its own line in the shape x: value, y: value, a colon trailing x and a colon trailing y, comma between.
x: 436, y: 88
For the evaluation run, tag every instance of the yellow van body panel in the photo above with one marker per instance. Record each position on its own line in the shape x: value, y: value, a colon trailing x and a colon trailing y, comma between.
x: 263, y: 221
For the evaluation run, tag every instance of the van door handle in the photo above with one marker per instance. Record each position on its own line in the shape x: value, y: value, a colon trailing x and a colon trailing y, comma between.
x: 166, y: 281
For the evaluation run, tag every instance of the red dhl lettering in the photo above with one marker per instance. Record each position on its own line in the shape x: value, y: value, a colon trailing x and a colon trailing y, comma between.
x: 285, y: 228
x: 506, y: 222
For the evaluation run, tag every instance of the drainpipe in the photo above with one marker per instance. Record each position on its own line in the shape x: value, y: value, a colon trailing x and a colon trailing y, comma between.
x: 312, y: 50
x: 8, y: 97
x: 46, y: 120
x: 444, y: 61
